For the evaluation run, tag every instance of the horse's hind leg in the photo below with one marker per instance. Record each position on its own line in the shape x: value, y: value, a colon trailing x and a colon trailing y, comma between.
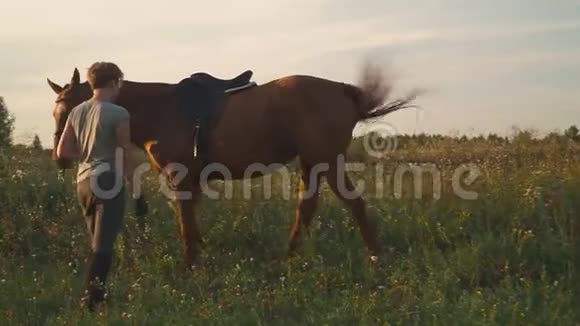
x: 343, y: 188
x: 308, y: 192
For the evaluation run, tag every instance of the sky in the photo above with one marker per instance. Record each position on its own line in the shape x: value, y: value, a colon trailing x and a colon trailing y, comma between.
x: 486, y: 66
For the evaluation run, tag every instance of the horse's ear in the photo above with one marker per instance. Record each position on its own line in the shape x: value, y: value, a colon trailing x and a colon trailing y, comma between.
x: 57, y: 89
x: 76, y: 78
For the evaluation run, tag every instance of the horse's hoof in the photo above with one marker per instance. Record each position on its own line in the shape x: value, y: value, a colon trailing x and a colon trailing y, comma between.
x: 292, y: 253
x: 379, y: 261
x: 187, y: 267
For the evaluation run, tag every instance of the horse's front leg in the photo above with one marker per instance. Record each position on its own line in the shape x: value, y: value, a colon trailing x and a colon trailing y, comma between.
x: 189, y: 230
x: 185, y: 193
x: 186, y: 197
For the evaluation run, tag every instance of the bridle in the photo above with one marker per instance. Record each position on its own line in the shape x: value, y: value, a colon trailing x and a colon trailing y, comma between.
x: 61, y: 174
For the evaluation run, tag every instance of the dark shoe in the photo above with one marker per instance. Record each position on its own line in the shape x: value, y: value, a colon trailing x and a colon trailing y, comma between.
x: 96, y: 278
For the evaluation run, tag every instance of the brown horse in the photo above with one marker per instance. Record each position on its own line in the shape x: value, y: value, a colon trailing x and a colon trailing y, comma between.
x: 298, y: 116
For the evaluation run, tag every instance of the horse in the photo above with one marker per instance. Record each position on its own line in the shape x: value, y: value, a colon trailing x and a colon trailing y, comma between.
x: 301, y: 118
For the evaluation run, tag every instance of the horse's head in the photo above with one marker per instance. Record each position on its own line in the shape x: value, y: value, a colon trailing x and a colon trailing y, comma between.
x: 67, y: 98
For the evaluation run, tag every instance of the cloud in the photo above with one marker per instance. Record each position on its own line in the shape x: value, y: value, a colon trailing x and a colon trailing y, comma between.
x: 466, y: 52
x: 367, y: 41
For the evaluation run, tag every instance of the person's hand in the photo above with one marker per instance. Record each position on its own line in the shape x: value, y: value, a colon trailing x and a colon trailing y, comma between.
x: 141, y: 207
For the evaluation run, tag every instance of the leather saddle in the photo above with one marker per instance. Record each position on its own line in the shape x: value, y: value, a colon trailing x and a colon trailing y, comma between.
x: 201, y: 95
x: 243, y: 80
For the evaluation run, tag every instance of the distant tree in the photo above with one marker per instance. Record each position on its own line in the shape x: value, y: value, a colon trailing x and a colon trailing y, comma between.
x: 6, y: 125
x: 522, y: 137
x: 572, y: 133
x: 552, y: 136
x: 36, y: 143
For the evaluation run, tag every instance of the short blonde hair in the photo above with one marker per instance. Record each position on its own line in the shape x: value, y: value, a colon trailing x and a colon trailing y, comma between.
x: 101, y: 73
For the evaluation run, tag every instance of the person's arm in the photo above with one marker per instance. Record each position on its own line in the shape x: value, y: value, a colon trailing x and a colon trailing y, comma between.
x: 67, y: 146
x: 124, y: 140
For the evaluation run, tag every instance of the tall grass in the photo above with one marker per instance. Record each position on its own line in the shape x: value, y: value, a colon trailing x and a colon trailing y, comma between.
x: 508, y: 257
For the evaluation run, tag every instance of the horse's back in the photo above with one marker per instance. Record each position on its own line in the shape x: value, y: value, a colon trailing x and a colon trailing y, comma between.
x: 273, y: 122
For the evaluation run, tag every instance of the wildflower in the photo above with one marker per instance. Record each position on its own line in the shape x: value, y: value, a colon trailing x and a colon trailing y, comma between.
x: 125, y: 314
x: 18, y: 174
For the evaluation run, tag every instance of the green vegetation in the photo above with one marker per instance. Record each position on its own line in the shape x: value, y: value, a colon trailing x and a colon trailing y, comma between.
x: 6, y: 125
x: 507, y: 257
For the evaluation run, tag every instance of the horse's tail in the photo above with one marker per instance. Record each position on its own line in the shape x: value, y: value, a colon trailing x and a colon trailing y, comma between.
x: 372, y: 92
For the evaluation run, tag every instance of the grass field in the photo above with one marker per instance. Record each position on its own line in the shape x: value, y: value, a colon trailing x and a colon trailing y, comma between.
x: 507, y: 257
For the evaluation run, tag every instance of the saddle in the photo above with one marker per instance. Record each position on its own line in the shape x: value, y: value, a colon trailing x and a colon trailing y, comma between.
x: 225, y: 85
x: 201, y: 95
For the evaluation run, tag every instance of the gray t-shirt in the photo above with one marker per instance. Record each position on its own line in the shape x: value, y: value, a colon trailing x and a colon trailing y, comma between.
x: 94, y: 124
